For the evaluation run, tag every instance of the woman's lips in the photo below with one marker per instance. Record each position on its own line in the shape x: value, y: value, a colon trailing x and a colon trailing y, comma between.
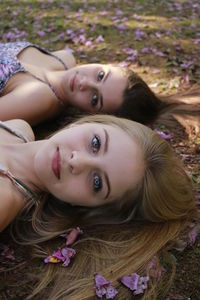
x: 72, y: 83
x: 56, y: 166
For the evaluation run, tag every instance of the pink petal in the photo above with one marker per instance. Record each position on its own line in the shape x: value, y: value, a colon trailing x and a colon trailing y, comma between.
x: 58, y: 254
x: 111, y: 292
x: 131, y: 281
x: 47, y: 260
x: 165, y: 136
x: 100, y: 280
x: 67, y: 254
x: 99, y: 39
x: 193, y: 234
x: 71, y: 235
x: 103, y: 287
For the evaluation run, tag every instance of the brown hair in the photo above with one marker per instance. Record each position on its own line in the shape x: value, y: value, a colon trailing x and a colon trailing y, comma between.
x: 118, y: 240
x: 142, y: 105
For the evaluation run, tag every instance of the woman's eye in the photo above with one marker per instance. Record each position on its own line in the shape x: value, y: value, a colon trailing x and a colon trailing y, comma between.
x: 100, y: 75
x: 96, y: 144
x: 94, y: 100
x: 97, y: 183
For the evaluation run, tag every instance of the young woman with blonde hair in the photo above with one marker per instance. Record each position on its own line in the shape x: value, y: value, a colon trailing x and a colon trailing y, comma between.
x: 36, y: 85
x: 132, y: 199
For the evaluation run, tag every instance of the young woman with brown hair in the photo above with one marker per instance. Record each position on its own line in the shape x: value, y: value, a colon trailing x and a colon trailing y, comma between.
x: 36, y: 85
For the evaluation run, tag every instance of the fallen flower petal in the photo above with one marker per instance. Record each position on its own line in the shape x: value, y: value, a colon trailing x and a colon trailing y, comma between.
x: 139, y: 34
x: 193, y: 234
x: 41, y: 33
x: 104, y: 287
x: 121, y: 26
x: 99, y: 39
x: 135, y: 283
x: 142, y: 285
x: 58, y: 255
x: 88, y: 43
x: 100, y: 280
x: 155, y: 269
x: 123, y: 64
x: 130, y: 51
x: 72, y: 235
x: 111, y: 292
x: 165, y: 136
x: 61, y: 255
x: 100, y: 291
x: 51, y: 259
x: 196, y: 41
x: 131, y: 281
x: 47, y: 259
x: 67, y: 254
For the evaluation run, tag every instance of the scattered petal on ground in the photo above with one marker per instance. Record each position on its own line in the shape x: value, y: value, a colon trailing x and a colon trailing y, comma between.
x: 136, y: 283
x: 104, y: 288
x: 63, y: 255
x: 165, y: 136
x: 72, y: 235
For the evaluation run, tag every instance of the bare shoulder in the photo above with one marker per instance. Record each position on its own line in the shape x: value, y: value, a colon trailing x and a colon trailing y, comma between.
x: 33, y: 102
x: 11, y: 203
x: 67, y: 56
x: 23, y: 126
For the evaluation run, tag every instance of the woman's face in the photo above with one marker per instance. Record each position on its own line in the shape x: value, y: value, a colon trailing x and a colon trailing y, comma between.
x: 95, y: 87
x: 89, y: 164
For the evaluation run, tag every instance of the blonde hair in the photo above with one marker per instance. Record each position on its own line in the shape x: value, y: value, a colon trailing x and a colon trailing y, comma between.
x: 118, y: 239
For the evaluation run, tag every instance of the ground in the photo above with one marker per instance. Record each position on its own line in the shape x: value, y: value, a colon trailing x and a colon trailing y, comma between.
x: 159, y: 39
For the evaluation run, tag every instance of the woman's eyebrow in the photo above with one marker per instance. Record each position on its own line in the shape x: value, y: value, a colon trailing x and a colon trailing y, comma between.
x: 106, y: 139
x: 108, y: 186
x: 101, y: 103
x: 101, y: 96
x: 105, y: 78
x: 106, y: 143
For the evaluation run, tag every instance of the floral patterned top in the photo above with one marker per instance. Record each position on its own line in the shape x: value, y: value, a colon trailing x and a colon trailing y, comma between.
x: 10, y: 65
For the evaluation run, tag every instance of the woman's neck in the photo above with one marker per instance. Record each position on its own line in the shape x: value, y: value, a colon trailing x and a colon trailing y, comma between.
x: 19, y: 159
x: 58, y: 80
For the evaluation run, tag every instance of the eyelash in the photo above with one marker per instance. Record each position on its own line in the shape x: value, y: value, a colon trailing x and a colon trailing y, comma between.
x: 97, y: 180
x: 100, y: 72
x: 95, y: 99
x: 97, y: 183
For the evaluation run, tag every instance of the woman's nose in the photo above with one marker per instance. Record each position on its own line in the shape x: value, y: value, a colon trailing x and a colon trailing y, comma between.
x: 85, y: 83
x: 79, y: 162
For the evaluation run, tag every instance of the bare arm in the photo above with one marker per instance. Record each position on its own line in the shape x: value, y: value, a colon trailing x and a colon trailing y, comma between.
x: 33, y: 102
x: 67, y: 57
